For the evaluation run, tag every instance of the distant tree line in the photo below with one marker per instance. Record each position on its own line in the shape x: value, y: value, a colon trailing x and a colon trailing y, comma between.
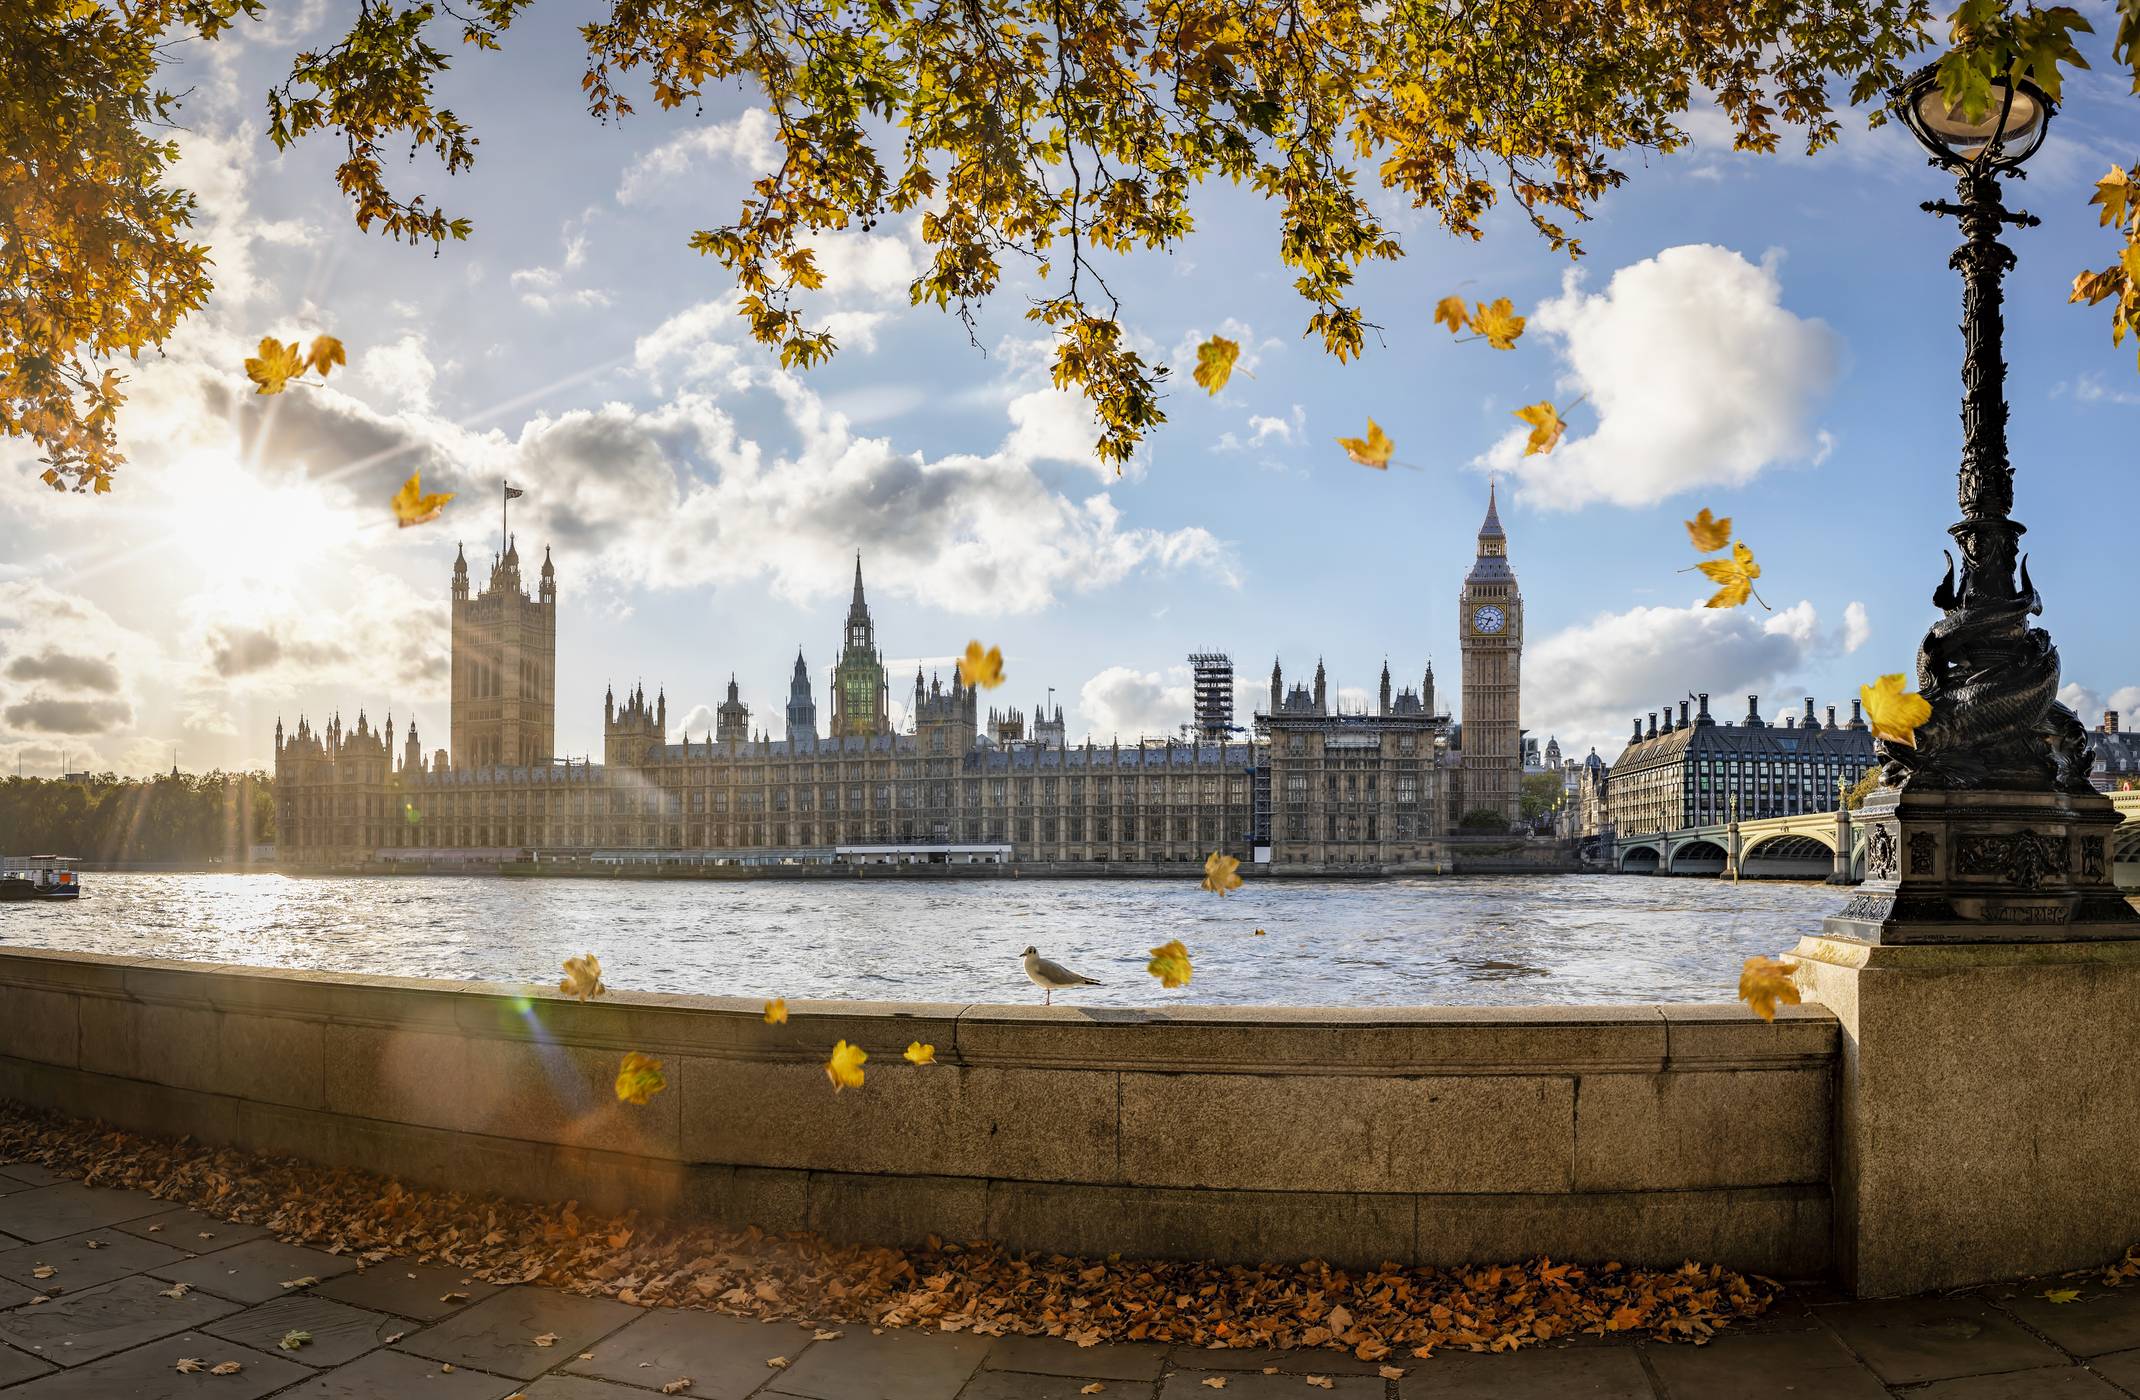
x: 211, y: 817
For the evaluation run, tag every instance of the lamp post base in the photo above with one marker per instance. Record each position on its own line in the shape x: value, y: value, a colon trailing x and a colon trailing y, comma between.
x: 1986, y: 866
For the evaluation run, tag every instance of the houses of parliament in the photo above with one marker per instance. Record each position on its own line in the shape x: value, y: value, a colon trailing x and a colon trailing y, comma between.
x: 1308, y: 786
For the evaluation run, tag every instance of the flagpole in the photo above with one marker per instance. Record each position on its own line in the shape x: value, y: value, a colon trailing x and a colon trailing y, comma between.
x: 505, y: 489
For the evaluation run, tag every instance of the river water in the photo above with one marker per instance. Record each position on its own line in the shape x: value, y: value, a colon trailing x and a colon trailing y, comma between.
x: 1475, y: 941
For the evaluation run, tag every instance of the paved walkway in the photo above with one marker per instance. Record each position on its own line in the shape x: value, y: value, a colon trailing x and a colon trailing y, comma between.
x: 87, y: 1312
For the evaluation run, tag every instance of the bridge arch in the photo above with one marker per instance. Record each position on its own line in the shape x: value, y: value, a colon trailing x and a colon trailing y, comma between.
x: 1699, y: 856
x: 1793, y: 855
x: 1639, y: 860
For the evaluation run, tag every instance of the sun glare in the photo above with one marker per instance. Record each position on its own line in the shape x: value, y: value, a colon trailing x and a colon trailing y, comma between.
x: 231, y: 527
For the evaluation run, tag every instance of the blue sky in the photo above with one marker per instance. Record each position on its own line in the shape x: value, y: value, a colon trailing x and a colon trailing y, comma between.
x: 1771, y: 337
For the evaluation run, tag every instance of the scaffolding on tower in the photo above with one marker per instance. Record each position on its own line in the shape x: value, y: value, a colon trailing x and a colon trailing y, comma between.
x: 1214, y: 693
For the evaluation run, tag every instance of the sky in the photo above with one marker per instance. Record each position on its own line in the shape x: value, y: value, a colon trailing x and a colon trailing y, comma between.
x: 1770, y: 337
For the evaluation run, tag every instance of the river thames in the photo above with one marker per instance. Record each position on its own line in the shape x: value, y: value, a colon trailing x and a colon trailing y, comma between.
x: 1476, y: 941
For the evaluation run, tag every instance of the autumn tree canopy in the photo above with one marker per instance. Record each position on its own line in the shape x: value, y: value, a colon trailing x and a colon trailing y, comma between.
x: 1033, y: 133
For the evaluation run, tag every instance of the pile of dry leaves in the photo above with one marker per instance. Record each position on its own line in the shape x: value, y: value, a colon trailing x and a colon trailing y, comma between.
x: 953, y: 1287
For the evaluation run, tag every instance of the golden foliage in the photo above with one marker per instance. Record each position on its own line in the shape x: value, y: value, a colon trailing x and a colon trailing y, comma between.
x: 1546, y: 427
x: 2119, y: 194
x: 776, y: 1011
x: 583, y: 977
x: 413, y: 507
x: 1709, y: 535
x: 1893, y: 714
x: 1371, y: 451
x: 639, y: 1078
x: 844, y: 1069
x: 1219, y: 874
x: 1736, y: 575
x: 279, y: 363
x: 1170, y: 964
x: 1498, y: 323
x: 984, y: 669
x: 2062, y: 1295
x: 921, y: 1054
x: 1214, y: 363
x: 1763, y: 983
x: 1452, y: 312
x: 970, y: 1286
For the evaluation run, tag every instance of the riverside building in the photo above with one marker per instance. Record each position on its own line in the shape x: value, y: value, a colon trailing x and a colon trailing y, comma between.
x: 1673, y: 776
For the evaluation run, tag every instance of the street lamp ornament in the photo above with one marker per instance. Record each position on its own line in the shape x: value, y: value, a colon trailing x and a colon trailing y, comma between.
x: 2001, y: 765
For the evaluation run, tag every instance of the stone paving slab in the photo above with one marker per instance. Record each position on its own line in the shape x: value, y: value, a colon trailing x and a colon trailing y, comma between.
x: 581, y: 1388
x: 150, y: 1373
x: 83, y: 1261
x: 1018, y: 1385
x: 113, y: 1317
x: 2099, y: 1321
x: 54, y: 1212
x: 339, y: 1332
x: 32, y: 1174
x: 1304, y: 1359
x: 193, y: 1231
x: 2121, y: 1369
x: 1908, y: 1340
x: 1801, y: 1365
x: 1048, y: 1356
x: 896, y: 1366
x: 255, y: 1271
x: 1254, y: 1385
x: 724, y: 1356
x: 393, y: 1375
x: 15, y: 1367
x: 2051, y: 1383
x: 421, y: 1291
x: 498, y: 1334
x: 1546, y: 1373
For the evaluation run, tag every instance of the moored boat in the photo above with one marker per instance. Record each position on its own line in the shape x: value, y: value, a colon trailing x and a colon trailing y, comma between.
x: 39, y: 877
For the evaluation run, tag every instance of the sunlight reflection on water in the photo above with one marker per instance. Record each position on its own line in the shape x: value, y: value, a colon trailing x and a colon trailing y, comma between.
x: 1478, y: 941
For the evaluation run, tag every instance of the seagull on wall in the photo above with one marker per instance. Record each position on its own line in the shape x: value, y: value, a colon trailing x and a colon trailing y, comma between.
x: 1052, y: 975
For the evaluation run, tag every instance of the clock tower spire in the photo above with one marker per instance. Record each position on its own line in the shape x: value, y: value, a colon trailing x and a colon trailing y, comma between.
x: 1490, y: 631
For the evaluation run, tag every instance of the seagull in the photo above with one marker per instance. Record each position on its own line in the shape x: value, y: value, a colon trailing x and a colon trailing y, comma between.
x: 1053, y: 976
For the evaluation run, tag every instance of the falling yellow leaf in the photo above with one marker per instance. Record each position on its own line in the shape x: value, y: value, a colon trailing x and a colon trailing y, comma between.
x: 844, y: 1069
x: 1736, y: 574
x: 326, y: 351
x: 1371, y: 451
x: 1499, y: 323
x: 1214, y: 363
x: 413, y: 507
x: 187, y: 1365
x: 1219, y: 874
x: 921, y: 1054
x: 583, y: 977
x: 639, y: 1078
x: 984, y: 669
x: 1762, y: 984
x: 1893, y: 714
x: 1709, y: 535
x: 2062, y: 1295
x: 1259, y: 933
x: 1170, y: 964
x: 227, y: 1368
x: 1451, y: 311
x: 277, y: 365
x: 1546, y: 427
x: 776, y: 1011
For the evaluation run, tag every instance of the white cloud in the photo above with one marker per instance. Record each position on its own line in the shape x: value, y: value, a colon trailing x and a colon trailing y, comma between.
x: 1697, y: 374
x: 1585, y: 683
x: 402, y: 370
x: 1857, y: 628
x: 2089, y: 704
x: 69, y: 674
x: 1056, y: 425
x: 1125, y: 703
x: 699, y: 721
x: 751, y: 141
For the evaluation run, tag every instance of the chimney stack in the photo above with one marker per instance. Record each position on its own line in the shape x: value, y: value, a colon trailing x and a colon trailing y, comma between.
x: 2110, y: 721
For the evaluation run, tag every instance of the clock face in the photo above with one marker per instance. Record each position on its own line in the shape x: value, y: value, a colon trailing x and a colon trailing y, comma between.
x: 1488, y: 619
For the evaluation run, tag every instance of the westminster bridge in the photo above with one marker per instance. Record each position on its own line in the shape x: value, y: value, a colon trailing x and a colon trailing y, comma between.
x: 1804, y: 847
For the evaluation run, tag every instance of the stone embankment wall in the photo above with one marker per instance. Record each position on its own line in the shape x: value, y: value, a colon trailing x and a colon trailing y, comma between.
x: 1641, y: 1133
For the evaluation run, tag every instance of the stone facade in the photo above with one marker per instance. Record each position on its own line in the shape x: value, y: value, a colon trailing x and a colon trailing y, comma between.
x: 1490, y: 629
x: 1680, y: 775
x: 1351, y: 791
x: 504, y: 665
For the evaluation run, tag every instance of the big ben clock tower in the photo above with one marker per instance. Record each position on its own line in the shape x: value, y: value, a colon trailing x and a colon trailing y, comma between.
x: 1490, y: 625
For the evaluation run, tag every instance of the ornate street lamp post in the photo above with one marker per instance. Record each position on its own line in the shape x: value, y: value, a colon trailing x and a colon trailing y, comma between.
x: 1988, y: 829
